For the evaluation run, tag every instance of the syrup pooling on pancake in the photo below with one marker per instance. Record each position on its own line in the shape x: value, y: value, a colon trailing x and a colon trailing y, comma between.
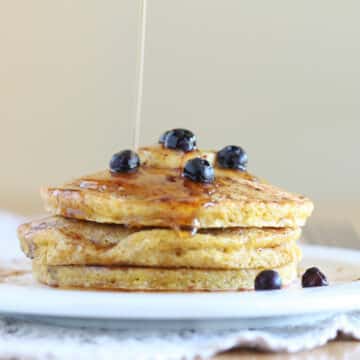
x: 155, y: 185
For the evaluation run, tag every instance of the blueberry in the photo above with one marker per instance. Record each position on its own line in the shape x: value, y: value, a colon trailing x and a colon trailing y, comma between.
x: 179, y: 139
x: 124, y: 161
x: 232, y: 157
x: 199, y: 170
x: 268, y: 280
x: 313, y: 277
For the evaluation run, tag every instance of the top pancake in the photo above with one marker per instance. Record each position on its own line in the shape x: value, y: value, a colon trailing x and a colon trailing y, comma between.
x: 157, y: 195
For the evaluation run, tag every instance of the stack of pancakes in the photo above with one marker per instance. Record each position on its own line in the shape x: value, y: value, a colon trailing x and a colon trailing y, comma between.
x: 153, y: 229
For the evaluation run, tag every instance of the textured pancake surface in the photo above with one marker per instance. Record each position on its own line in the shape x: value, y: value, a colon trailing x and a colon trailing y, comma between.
x: 153, y: 279
x: 154, y: 196
x: 60, y: 241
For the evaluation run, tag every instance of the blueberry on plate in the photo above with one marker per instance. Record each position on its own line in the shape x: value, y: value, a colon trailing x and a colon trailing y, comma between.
x: 124, y: 161
x: 268, y: 280
x: 232, y: 157
x: 179, y: 139
x: 199, y: 170
x: 313, y: 277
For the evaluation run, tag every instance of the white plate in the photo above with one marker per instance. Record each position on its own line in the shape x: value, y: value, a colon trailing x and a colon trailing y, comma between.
x: 21, y: 296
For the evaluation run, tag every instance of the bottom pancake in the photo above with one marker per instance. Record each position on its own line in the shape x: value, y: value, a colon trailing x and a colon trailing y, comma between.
x: 154, y: 279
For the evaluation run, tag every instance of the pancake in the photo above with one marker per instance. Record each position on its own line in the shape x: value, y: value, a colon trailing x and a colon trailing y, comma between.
x: 153, y: 279
x: 60, y: 241
x: 154, y: 196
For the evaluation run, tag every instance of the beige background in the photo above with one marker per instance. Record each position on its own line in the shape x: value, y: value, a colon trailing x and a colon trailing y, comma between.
x: 280, y: 78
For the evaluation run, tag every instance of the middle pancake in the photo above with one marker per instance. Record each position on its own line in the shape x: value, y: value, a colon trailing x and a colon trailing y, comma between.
x: 60, y: 241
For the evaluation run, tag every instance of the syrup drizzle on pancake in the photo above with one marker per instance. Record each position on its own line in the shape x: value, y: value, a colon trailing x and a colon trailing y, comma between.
x: 154, y: 185
x: 158, y: 185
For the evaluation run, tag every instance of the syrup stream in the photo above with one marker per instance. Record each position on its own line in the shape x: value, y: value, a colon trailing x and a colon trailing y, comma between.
x: 140, y: 73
